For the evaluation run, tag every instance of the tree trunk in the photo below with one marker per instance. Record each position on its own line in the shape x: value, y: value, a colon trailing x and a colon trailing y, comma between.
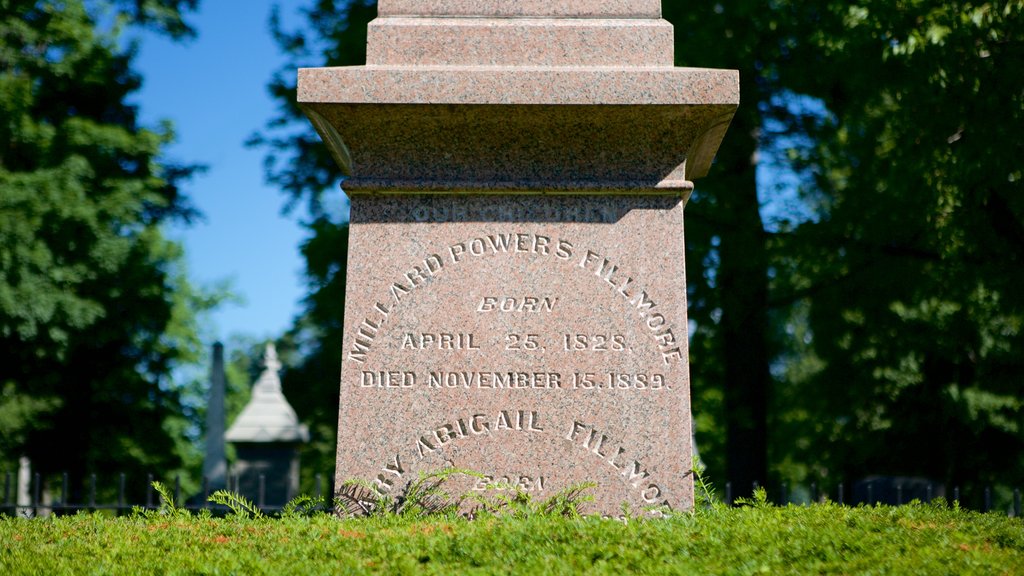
x: 743, y: 284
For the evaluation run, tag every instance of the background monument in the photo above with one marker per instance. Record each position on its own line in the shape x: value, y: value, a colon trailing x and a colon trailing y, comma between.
x: 267, y: 435
x: 215, y: 463
x: 516, y: 300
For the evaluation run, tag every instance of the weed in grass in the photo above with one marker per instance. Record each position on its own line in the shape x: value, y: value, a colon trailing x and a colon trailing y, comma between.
x: 759, y: 499
x: 703, y: 489
x: 239, y: 505
x: 513, y: 501
x: 303, y: 507
x: 421, y: 497
x: 168, y: 507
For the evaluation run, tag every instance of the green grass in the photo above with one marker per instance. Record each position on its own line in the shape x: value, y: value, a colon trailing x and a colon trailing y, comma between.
x: 758, y: 539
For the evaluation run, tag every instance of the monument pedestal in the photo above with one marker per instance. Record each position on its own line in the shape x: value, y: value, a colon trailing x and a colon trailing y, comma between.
x: 516, y: 300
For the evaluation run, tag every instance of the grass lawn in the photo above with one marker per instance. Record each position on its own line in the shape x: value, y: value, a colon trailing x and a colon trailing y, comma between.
x: 819, y: 539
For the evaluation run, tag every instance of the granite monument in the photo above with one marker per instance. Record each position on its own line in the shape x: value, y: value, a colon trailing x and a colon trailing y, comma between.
x: 516, y: 298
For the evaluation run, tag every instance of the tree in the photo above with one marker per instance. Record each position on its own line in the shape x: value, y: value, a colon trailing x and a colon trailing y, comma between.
x: 727, y: 245
x: 913, y: 266
x: 95, y: 307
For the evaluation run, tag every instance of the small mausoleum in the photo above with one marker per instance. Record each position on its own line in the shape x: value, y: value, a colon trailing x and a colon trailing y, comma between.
x: 267, y: 435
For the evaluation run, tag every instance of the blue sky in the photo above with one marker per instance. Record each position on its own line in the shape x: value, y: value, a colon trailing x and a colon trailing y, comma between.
x: 213, y: 89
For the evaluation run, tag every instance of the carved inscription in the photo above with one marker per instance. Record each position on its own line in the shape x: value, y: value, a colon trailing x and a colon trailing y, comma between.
x: 638, y: 300
x: 494, y: 380
x: 519, y: 342
x: 653, y: 319
x: 442, y: 341
x: 601, y: 445
x: 512, y: 304
x: 519, y: 482
x: 540, y: 209
x: 596, y: 444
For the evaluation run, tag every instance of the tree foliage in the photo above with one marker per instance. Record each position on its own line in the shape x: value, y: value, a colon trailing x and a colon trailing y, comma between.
x: 95, y: 306
x: 913, y: 264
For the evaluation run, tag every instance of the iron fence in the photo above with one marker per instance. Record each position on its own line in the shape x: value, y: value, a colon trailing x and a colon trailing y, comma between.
x: 55, y: 497
x: 46, y: 498
x: 873, y: 491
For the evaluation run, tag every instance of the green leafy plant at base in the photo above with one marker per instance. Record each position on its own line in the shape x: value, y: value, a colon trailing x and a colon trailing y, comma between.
x: 515, y: 502
x: 303, y: 506
x: 423, y: 496
x: 168, y: 507
x: 426, y: 497
x: 758, y: 500
x: 703, y: 489
x: 239, y: 505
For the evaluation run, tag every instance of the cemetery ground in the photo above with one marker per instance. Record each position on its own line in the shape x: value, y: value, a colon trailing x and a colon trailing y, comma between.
x: 524, y: 538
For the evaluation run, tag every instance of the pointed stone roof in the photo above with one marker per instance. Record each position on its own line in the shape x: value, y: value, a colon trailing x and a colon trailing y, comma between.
x: 268, y: 417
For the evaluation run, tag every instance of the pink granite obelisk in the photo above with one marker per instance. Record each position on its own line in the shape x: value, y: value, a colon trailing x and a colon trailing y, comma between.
x: 516, y: 299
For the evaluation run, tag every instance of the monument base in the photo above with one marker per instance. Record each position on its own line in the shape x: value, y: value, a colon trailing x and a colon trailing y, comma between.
x: 540, y: 341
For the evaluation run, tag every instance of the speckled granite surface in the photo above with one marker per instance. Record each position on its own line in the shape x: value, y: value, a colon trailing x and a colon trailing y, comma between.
x: 516, y: 300
x: 519, y: 42
x: 522, y: 8
x: 539, y: 340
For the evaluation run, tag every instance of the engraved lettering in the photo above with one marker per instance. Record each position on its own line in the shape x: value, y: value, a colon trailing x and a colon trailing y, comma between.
x: 666, y: 338
x: 397, y: 291
x: 643, y: 303
x: 651, y: 493
x: 369, y: 328
x: 433, y: 264
x: 519, y: 482
x: 534, y: 421
x: 479, y: 424
x: 608, y: 277
x: 635, y: 474
x: 588, y: 258
x: 655, y: 321
x: 456, y: 250
x: 423, y: 446
x: 383, y: 484
x: 442, y: 341
x: 500, y: 242
x: 674, y: 353
x: 622, y: 289
x: 522, y: 242
x: 387, y: 379
x: 445, y: 433
x: 416, y: 276
x: 595, y: 442
x: 504, y: 421
x: 613, y: 458
x: 576, y: 428
x: 540, y: 244
x: 564, y: 250
x: 359, y: 350
x: 514, y: 304
x: 395, y: 467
